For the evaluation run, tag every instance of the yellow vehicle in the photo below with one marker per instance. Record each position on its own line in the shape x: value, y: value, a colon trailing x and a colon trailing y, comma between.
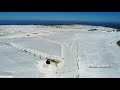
x: 53, y: 60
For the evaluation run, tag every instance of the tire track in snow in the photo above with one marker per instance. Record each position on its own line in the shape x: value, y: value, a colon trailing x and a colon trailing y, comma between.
x: 51, y: 71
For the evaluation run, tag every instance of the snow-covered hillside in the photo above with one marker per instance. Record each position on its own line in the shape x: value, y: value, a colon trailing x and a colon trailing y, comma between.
x: 84, y: 51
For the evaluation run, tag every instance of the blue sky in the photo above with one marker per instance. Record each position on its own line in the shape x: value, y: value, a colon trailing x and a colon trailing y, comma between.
x: 67, y: 16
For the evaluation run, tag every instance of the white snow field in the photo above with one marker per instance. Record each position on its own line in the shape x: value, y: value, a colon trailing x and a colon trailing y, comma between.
x: 84, y: 51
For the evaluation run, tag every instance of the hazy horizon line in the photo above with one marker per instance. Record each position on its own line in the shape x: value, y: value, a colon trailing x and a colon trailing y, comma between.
x: 64, y: 20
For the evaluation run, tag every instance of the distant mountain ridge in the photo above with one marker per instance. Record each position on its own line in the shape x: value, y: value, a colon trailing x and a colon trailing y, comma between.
x: 50, y: 22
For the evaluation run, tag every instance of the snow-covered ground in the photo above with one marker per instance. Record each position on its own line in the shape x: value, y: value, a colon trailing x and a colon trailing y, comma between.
x: 84, y: 51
